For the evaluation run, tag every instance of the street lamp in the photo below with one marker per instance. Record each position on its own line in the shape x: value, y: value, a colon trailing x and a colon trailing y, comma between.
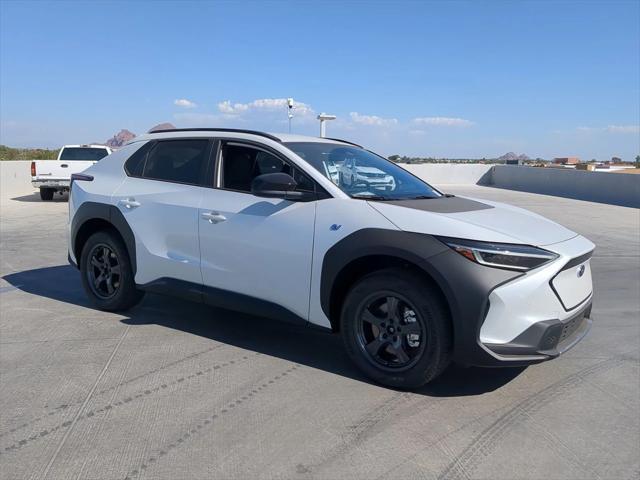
x: 323, y: 117
x: 290, y: 111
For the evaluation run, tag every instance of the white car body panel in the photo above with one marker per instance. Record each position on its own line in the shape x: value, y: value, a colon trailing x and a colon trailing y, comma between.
x: 263, y: 247
x: 520, y: 303
x: 348, y: 216
x: 165, y: 225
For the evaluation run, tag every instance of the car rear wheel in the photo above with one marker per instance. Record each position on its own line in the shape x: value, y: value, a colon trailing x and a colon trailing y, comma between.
x: 107, y: 276
x: 46, y: 194
x: 396, y: 328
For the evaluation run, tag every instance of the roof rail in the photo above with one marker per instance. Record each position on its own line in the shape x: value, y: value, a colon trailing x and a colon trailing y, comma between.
x: 343, y: 141
x: 228, y: 130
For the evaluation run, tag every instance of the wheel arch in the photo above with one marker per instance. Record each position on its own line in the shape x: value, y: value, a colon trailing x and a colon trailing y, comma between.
x: 92, y: 217
x: 369, y: 250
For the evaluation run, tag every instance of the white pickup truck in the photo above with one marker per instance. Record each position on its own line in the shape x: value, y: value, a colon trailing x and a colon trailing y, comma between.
x: 52, y: 176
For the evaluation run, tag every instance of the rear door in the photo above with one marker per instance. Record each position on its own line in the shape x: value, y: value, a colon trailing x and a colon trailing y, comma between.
x: 256, y: 252
x: 159, y: 199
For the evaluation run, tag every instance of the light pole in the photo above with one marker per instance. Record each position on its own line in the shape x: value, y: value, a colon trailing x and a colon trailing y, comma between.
x: 290, y: 111
x: 323, y: 117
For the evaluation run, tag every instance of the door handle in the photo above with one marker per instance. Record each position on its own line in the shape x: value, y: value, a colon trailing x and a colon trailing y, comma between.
x: 129, y: 203
x: 213, y: 217
x: 64, y: 165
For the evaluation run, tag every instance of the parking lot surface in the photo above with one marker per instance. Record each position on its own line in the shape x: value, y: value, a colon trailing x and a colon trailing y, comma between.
x: 174, y: 390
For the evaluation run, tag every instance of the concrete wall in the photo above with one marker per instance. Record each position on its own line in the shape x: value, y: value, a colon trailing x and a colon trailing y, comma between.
x: 15, y: 178
x: 613, y: 188
x: 448, y: 174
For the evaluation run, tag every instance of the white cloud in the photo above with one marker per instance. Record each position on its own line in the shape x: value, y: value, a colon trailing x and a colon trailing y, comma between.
x: 372, y: 120
x: 264, y: 104
x: 623, y: 128
x: 183, y: 102
x: 611, y: 129
x: 443, y: 121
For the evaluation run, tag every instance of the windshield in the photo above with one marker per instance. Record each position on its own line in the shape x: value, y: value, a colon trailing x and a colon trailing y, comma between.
x: 83, y: 153
x: 362, y: 174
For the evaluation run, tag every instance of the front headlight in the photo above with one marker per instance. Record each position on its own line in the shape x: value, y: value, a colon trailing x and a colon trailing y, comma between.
x: 501, y: 255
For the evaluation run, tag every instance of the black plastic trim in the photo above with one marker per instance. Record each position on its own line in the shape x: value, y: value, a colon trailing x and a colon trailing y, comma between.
x: 465, y: 285
x: 221, y: 298
x: 443, y: 204
x: 222, y: 130
x: 93, y: 210
x: 577, y: 261
x: 548, y: 338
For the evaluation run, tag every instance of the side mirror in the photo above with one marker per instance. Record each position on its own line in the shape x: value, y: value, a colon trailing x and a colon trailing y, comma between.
x: 276, y: 185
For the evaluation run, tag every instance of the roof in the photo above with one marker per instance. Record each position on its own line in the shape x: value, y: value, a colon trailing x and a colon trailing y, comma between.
x: 237, y: 133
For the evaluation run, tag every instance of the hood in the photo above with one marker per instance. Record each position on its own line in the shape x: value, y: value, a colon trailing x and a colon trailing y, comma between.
x: 472, y: 219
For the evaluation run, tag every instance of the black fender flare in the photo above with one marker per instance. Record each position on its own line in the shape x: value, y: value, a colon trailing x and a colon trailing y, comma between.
x: 466, y: 285
x: 111, y: 214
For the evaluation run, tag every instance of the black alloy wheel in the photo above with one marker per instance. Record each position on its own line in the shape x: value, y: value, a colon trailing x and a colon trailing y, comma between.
x: 389, y: 331
x: 103, y: 272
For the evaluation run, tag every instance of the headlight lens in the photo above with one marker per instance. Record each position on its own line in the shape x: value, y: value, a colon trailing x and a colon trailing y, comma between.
x: 501, y: 255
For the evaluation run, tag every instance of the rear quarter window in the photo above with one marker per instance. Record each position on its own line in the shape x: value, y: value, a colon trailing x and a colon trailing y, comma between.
x: 179, y: 161
x: 135, y: 164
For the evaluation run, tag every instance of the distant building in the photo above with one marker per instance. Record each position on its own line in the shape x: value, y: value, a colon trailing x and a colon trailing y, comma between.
x: 590, y: 167
x: 566, y: 161
x: 514, y: 161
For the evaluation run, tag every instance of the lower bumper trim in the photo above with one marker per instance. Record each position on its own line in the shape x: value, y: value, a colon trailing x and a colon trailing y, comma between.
x: 546, y: 339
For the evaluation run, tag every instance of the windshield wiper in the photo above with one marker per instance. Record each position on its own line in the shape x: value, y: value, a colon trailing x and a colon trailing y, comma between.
x: 361, y: 196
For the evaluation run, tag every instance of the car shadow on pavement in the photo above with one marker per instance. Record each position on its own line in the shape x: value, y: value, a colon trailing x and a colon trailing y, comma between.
x: 35, y: 198
x: 295, y: 343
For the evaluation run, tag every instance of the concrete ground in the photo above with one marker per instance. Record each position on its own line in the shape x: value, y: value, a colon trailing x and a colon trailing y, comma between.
x: 174, y: 390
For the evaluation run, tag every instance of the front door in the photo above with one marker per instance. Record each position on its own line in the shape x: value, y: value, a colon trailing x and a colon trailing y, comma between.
x: 256, y: 252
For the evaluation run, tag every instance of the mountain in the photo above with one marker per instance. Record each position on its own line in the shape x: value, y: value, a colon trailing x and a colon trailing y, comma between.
x: 120, y: 138
x: 513, y: 156
x: 162, y: 126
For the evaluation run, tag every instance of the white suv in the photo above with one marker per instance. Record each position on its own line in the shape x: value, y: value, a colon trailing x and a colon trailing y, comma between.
x: 410, y: 277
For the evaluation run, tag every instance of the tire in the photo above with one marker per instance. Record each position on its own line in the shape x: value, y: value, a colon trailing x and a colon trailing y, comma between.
x: 46, y: 194
x: 124, y: 294
x: 419, y: 308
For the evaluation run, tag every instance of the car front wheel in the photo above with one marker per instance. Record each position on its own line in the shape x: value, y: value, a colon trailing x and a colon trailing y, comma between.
x: 107, y: 276
x: 396, y: 328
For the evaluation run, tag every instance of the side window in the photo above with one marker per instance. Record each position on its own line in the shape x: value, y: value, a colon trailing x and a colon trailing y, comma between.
x: 241, y: 164
x: 134, y: 165
x: 180, y: 161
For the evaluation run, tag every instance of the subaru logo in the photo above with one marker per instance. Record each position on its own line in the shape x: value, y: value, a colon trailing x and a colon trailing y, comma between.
x: 580, y: 270
x: 335, y: 227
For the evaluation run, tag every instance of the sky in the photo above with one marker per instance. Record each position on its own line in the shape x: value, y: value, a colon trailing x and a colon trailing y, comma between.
x: 434, y: 78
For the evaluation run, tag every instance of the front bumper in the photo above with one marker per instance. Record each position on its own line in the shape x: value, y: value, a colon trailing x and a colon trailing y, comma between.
x: 546, y: 339
x: 507, y: 318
